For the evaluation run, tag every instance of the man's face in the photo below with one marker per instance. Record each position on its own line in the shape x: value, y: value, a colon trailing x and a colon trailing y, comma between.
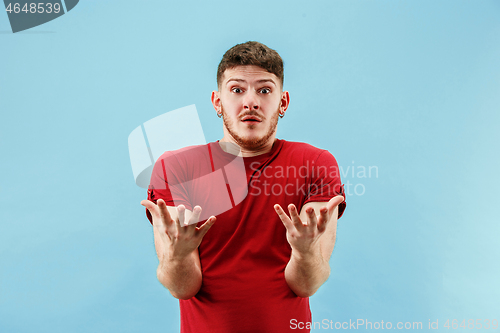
x: 250, y: 100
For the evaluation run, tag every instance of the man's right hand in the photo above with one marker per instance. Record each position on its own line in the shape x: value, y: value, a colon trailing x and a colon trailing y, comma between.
x: 176, y: 241
x: 179, y: 236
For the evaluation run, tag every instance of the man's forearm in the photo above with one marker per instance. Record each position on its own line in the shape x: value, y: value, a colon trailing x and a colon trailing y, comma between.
x: 305, y: 273
x: 182, y: 277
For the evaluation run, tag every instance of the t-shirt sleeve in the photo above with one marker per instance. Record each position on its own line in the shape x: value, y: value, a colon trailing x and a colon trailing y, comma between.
x: 166, y: 183
x: 325, y: 181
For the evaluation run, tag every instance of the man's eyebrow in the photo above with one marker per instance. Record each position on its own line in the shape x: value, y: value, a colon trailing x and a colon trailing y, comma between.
x: 267, y: 80
x: 237, y: 80
x: 259, y: 81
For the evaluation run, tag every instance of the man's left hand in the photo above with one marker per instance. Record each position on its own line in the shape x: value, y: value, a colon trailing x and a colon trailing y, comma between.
x: 303, y: 236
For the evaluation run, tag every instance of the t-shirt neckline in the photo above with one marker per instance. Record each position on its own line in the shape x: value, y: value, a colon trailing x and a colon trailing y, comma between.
x: 276, y: 146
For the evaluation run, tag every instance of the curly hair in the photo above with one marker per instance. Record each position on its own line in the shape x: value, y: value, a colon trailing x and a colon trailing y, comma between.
x: 251, y: 53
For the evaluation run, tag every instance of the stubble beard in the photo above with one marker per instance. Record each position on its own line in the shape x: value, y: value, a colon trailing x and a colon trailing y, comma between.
x: 250, y: 143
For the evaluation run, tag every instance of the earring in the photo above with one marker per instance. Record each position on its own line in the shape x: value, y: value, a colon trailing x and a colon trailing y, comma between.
x: 219, y: 114
x: 282, y: 114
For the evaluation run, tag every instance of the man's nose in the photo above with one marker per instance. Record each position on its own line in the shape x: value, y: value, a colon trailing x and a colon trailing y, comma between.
x: 251, y: 102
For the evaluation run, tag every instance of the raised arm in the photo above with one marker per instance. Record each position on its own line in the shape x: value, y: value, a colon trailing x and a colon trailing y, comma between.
x: 176, y: 241
x: 311, y: 235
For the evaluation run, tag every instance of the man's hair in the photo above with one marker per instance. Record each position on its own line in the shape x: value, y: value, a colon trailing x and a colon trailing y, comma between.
x: 251, y: 53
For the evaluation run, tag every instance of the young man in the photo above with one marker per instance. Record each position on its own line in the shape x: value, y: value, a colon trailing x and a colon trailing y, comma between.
x: 254, y: 269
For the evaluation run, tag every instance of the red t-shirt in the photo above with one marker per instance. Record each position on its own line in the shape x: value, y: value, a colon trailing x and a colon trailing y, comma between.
x: 244, y: 255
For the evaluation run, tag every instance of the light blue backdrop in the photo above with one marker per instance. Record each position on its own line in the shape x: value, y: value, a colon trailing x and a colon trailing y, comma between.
x: 411, y: 88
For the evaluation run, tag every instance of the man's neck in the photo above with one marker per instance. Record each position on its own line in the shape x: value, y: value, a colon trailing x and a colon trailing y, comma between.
x: 231, y: 147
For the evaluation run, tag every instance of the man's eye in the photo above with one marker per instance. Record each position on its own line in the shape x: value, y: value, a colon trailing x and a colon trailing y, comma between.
x: 236, y: 90
x: 265, y: 90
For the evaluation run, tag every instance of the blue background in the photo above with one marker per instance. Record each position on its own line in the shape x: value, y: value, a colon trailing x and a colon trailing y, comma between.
x: 410, y: 87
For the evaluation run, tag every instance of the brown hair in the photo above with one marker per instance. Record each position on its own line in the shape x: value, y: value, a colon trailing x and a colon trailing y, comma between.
x: 251, y: 53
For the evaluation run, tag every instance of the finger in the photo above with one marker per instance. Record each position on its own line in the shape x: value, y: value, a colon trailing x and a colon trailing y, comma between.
x: 283, y: 217
x: 165, y: 218
x: 312, y: 220
x: 205, y: 226
x: 195, y: 217
x: 178, y: 224
x: 181, y: 215
x: 334, y: 202
x: 323, y: 219
x: 294, y: 215
x: 151, y: 207
x: 192, y: 221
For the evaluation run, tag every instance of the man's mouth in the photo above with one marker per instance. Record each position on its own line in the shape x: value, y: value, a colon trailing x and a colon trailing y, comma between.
x: 251, y: 119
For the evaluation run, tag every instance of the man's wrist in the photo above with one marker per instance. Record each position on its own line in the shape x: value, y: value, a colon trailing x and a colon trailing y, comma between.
x: 175, y: 259
x: 171, y: 265
x: 310, y: 255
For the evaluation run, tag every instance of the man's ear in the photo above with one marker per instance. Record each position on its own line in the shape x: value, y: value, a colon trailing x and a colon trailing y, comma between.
x: 284, y: 102
x: 216, y: 101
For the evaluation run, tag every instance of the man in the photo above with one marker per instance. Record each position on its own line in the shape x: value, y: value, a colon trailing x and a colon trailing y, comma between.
x: 252, y: 267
